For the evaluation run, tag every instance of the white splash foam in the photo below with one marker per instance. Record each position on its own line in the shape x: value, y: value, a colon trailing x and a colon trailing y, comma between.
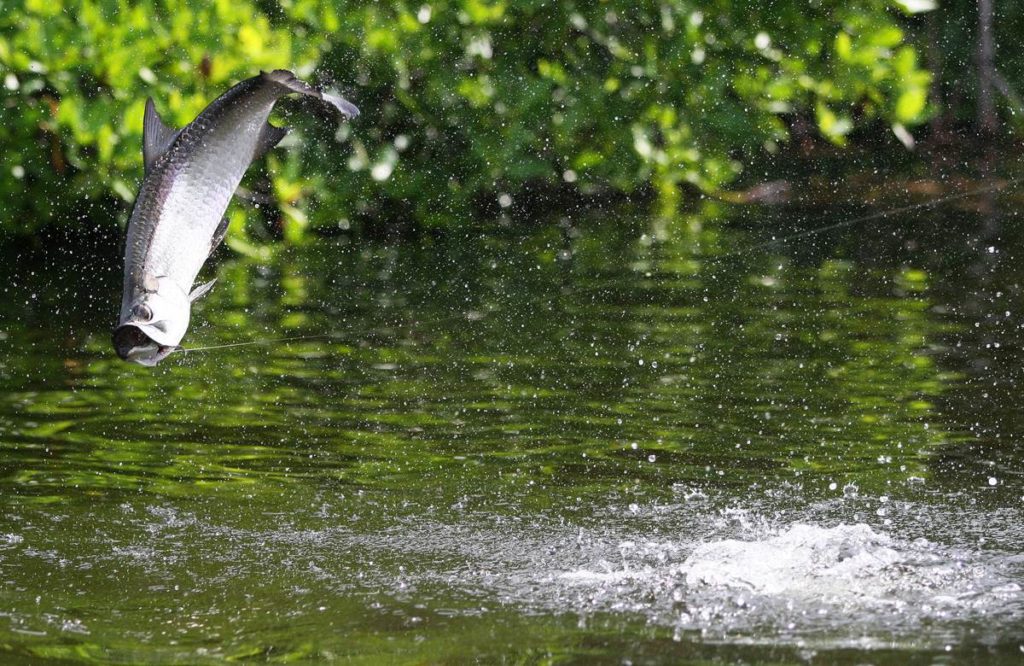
x: 804, y: 561
x: 802, y: 584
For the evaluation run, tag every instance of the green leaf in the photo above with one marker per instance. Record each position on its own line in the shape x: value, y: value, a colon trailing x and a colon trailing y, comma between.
x: 911, y: 104
x: 916, y: 6
x: 834, y: 127
x: 844, y: 46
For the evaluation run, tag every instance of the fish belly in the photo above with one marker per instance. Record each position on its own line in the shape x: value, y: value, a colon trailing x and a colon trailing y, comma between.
x: 194, y: 207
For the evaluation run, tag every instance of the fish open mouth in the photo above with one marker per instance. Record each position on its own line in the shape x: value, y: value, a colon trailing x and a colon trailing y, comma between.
x: 132, y: 344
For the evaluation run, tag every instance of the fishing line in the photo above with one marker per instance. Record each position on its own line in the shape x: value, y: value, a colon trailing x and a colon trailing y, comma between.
x: 257, y: 342
x: 870, y: 217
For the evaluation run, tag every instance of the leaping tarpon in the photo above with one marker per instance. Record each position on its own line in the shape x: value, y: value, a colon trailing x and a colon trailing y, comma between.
x: 178, y: 218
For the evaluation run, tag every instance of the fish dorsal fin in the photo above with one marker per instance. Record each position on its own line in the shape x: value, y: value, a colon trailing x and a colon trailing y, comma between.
x: 157, y: 137
x: 270, y: 136
x: 201, y: 290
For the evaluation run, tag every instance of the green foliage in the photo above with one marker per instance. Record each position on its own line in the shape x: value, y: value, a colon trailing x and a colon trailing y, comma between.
x: 472, y: 100
x: 76, y: 76
x: 468, y: 104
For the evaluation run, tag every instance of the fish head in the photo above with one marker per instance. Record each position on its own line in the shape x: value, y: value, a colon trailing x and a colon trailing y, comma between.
x: 154, y: 323
x: 132, y: 344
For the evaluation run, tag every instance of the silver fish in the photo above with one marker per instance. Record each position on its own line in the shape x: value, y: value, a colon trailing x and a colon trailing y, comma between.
x: 178, y: 218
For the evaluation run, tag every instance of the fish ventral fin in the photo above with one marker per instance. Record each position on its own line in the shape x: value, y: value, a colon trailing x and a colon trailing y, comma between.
x: 201, y: 290
x: 270, y: 136
x: 288, y: 80
x: 157, y: 136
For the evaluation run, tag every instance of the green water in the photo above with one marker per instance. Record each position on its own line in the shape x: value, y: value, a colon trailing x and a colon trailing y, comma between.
x: 605, y: 440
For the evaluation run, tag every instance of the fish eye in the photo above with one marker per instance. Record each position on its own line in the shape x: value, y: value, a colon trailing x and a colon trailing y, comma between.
x: 142, y: 313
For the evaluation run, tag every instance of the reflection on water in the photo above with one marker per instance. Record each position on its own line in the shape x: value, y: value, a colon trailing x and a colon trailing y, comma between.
x: 585, y: 441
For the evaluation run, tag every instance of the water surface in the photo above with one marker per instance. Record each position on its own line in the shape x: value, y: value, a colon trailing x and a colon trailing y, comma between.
x: 606, y: 439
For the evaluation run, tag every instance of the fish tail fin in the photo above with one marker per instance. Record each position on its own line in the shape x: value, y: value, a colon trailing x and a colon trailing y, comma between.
x: 287, y: 79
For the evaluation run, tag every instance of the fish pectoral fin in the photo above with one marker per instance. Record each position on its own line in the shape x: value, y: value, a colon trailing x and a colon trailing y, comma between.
x: 218, y: 236
x: 157, y: 136
x: 201, y: 290
x: 270, y: 136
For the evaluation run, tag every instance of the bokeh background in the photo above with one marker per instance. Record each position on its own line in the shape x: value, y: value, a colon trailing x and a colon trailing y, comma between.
x: 610, y: 332
x: 478, y: 109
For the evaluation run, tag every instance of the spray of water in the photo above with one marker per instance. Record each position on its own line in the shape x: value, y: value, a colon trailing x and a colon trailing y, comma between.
x: 880, y: 215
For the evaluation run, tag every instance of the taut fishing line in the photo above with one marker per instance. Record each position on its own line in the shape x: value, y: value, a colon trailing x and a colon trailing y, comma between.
x: 924, y: 205
x: 322, y: 336
x: 881, y: 215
